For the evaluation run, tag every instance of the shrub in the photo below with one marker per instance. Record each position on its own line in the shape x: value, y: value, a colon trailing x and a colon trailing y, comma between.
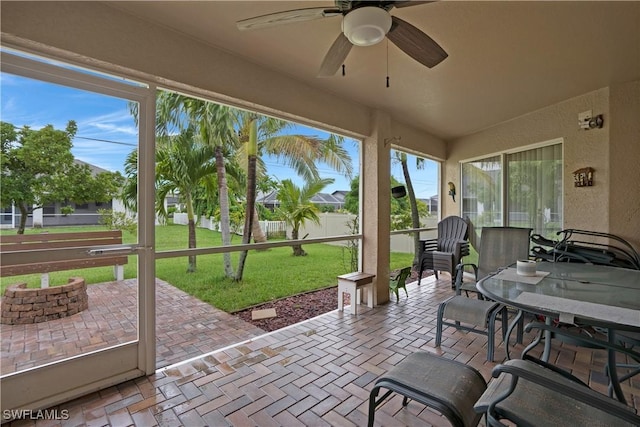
x: 66, y: 210
x: 114, y: 220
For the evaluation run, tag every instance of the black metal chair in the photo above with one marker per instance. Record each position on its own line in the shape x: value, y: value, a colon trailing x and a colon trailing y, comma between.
x: 446, y: 251
x: 499, y: 247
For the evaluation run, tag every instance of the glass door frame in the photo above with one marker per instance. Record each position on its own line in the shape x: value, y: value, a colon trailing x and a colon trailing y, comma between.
x: 504, y: 180
x: 73, y: 377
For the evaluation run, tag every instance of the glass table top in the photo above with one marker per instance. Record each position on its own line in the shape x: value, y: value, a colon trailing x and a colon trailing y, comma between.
x: 596, y: 294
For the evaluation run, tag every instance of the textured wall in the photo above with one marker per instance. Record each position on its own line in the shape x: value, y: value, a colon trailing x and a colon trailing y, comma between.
x: 624, y: 156
x: 612, y: 204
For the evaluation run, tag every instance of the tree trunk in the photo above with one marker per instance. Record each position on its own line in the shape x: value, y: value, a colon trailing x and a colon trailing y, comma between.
x: 297, y: 249
x: 248, y: 221
x: 23, y: 218
x: 223, y: 196
x: 191, y: 268
x: 415, y: 217
x: 256, y: 230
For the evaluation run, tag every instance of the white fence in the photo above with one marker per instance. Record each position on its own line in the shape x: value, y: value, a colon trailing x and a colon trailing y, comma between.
x: 270, y: 228
x: 331, y: 224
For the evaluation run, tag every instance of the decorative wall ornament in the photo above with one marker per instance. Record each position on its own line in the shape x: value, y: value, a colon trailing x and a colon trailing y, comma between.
x: 583, y: 177
x: 452, y: 190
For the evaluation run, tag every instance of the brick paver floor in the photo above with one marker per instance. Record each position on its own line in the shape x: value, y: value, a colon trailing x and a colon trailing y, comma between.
x: 185, y: 328
x: 316, y: 373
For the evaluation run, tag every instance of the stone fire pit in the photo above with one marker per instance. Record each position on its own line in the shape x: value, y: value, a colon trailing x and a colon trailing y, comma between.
x: 21, y: 305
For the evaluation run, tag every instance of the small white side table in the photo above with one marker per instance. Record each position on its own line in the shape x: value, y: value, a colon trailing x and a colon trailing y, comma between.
x: 352, y: 283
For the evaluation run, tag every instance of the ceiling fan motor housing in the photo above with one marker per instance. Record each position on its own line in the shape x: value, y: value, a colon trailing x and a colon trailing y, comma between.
x: 366, y: 26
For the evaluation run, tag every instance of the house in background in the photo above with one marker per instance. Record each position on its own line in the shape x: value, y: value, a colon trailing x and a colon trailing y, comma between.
x: 52, y: 214
x: 325, y: 201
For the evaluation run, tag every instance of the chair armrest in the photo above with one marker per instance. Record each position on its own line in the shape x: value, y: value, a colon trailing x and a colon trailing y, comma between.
x: 464, y: 248
x: 534, y: 373
x: 460, y: 271
x: 555, y: 369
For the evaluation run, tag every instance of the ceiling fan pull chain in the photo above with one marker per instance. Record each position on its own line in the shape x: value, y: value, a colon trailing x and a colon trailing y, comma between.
x: 387, y: 62
x: 343, y: 72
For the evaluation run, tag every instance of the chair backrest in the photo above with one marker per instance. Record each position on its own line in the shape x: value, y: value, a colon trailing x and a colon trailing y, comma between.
x: 500, y: 247
x: 402, y: 276
x: 451, y: 229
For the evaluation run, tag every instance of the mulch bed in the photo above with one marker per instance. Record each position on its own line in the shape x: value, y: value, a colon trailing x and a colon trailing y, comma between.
x: 301, y: 307
x: 294, y: 309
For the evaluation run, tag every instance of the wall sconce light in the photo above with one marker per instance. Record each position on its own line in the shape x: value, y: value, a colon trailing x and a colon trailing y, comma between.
x: 586, y: 121
x: 398, y: 192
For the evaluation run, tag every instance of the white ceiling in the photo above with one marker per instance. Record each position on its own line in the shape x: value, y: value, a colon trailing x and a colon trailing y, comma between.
x: 505, y: 58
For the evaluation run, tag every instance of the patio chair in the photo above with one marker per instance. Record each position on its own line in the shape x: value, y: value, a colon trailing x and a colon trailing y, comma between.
x: 499, y: 247
x: 446, y: 251
x: 398, y: 281
x: 631, y: 341
x: 448, y: 386
x: 586, y: 246
x: 529, y: 392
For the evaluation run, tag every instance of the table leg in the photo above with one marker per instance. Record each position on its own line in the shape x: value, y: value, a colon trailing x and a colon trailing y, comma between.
x: 611, y: 367
x: 513, y: 324
x: 547, y: 340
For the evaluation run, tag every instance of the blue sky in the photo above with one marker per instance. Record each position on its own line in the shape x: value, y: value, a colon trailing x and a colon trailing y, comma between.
x: 107, y: 132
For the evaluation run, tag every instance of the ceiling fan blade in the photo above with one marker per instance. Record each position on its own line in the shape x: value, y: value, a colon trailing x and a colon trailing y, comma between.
x: 408, y: 3
x: 415, y: 43
x: 286, y: 17
x: 335, y: 56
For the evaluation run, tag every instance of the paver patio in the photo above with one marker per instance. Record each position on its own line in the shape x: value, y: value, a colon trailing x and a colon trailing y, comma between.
x: 185, y: 328
x: 316, y: 373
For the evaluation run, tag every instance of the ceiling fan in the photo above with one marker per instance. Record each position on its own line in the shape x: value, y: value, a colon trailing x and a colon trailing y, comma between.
x: 364, y: 23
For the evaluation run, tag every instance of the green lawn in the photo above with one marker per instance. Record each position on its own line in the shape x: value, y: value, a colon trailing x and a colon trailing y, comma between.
x: 269, y: 274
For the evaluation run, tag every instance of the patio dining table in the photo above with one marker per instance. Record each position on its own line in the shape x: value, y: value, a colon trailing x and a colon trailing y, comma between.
x: 574, y: 293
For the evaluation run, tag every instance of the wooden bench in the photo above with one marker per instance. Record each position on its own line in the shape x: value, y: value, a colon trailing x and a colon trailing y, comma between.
x: 53, y: 241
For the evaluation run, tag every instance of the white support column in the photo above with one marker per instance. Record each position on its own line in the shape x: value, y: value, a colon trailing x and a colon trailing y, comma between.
x: 44, y: 280
x: 118, y: 272
x: 38, y: 218
x: 375, y: 208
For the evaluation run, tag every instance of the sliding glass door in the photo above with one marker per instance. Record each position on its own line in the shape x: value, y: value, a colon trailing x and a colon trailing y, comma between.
x: 517, y: 189
x: 534, y: 195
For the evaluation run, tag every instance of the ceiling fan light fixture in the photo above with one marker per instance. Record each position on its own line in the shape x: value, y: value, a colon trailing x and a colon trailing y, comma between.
x: 366, y: 26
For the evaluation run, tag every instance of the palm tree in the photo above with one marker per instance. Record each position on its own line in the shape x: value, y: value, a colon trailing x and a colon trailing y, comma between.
x: 296, y: 207
x: 415, y: 216
x: 261, y: 135
x: 214, y: 123
x: 183, y: 165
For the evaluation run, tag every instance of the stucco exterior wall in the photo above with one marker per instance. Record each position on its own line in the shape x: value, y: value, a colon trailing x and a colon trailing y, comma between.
x: 417, y: 141
x: 624, y: 158
x: 612, y: 151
